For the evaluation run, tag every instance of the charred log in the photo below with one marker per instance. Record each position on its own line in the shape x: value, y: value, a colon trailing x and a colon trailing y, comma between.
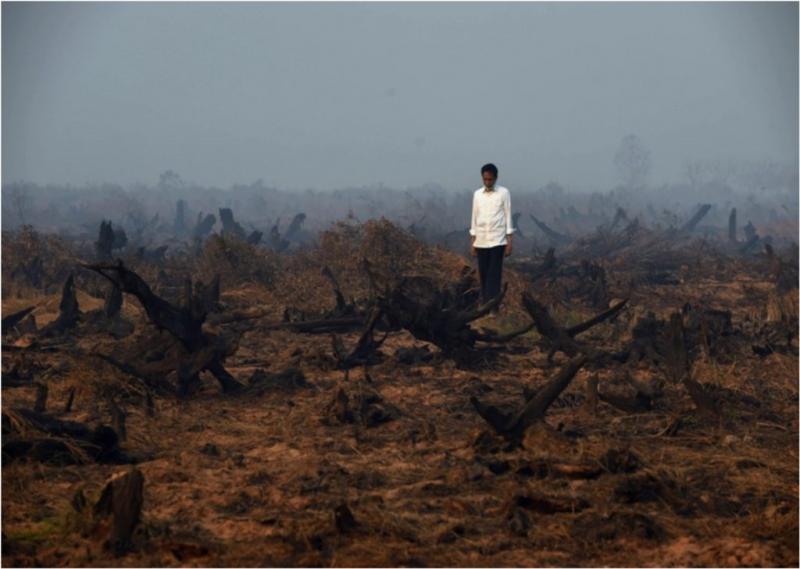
x: 555, y: 237
x: 690, y: 225
x: 513, y: 426
x: 342, y: 317
x: 365, y: 352
x: 44, y: 438
x: 204, y: 351
x: 562, y: 339
x: 10, y: 321
x: 441, y: 316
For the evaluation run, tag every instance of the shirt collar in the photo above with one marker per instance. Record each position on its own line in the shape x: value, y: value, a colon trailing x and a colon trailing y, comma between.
x: 486, y: 191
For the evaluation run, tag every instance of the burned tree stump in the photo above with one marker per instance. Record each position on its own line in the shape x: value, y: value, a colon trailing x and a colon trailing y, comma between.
x: 68, y: 311
x: 203, y: 226
x: 677, y: 358
x: 179, y: 227
x: 344, y: 520
x: 442, y: 316
x: 294, y: 226
x: 105, y: 241
x: 359, y: 404
x: 593, y: 284
x: 109, y: 318
x: 70, y: 400
x: 204, y: 351
x: 537, y: 270
x: 109, y: 239
x: 121, y: 499
x: 229, y: 225
x: 276, y: 242
x: 641, y: 401
x: 679, y: 367
x: 342, y: 307
x: 667, y: 346
x: 732, y: 227
x: 118, y: 416
x: 40, y: 405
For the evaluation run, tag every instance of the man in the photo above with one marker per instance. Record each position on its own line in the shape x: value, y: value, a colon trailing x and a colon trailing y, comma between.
x: 491, y: 231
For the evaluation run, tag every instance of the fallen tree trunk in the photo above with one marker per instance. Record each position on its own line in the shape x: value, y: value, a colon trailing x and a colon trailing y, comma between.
x: 556, y: 237
x: 344, y: 316
x: 10, y: 321
x: 44, y: 438
x: 513, y: 426
x: 690, y: 225
x: 562, y: 339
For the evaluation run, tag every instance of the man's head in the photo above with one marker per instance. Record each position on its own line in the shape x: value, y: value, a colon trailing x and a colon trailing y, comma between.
x: 489, y: 175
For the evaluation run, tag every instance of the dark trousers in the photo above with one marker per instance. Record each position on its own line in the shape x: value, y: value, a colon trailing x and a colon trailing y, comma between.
x: 490, y: 269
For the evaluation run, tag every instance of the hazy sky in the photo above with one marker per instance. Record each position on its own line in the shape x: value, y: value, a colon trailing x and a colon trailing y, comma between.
x: 331, y: 95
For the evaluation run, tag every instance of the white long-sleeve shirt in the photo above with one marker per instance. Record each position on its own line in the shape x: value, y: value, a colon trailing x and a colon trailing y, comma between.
x: 491, y: 217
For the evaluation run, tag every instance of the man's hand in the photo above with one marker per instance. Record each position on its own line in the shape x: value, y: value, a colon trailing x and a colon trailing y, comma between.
x: 473, y: 251
x: 508, y: 246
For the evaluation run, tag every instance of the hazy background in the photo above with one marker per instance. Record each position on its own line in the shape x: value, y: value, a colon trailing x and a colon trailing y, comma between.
x: 321, y: 95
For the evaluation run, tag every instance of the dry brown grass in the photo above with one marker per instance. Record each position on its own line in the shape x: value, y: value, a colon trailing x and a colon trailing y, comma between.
x: 254, y: 480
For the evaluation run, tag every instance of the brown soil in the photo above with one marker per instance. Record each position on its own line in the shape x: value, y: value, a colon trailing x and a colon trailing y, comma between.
x: 271, y: 478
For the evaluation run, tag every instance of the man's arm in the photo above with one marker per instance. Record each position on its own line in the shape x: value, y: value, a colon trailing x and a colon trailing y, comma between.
x: 473, y: 228
x: 509, y: 222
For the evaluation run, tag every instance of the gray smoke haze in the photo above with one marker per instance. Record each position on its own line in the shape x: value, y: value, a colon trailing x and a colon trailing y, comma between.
x: 332, y: 95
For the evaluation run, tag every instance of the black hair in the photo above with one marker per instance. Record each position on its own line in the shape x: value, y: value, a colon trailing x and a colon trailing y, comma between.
x: 489, y: 168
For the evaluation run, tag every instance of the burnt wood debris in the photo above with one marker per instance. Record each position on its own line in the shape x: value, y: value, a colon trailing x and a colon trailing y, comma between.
x: 166, y: 313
